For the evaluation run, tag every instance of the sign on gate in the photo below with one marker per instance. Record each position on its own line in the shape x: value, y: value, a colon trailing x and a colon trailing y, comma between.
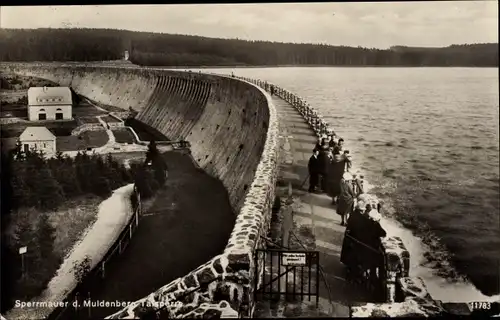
x: 293, y: 259
x: 292, y: 273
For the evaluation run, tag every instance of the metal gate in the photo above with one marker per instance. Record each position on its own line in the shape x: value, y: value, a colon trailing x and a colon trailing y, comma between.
x: 292, y: 273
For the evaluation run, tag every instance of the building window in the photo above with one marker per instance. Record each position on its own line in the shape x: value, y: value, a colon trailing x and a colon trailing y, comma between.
x: 26, y: 148
x: 44, y: 145
x: 42, y: 115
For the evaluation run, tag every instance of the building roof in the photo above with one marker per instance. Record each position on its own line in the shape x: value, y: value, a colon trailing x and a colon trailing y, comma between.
x: 36, y: 133
x: 43, y: 96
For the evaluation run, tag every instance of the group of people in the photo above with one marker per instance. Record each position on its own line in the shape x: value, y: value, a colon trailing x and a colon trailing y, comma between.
x: 329, y: 168
x: 360, y: 248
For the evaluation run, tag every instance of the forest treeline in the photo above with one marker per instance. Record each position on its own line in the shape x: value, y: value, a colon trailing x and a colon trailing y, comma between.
x: 34, y: 187
x: 160, y: 49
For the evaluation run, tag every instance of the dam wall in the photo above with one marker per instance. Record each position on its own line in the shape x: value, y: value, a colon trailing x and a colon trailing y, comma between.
x: 232, y: 127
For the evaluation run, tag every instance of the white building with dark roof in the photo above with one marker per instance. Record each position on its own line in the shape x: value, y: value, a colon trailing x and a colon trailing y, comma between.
x: 50, y: 103
x: 38, y: 139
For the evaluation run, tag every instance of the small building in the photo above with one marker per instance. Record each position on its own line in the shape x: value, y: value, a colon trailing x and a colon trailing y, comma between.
x: 38, y: 139
x: 50, y: 103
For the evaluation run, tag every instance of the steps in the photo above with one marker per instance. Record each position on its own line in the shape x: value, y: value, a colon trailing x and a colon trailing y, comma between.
x: 300, y: 309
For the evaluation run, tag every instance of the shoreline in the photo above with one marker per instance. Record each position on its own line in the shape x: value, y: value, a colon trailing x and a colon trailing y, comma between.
x: 307, y: 66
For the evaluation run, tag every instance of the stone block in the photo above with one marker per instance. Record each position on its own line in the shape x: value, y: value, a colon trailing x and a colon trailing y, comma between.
x: 397, y: 256
x: 413, y: 287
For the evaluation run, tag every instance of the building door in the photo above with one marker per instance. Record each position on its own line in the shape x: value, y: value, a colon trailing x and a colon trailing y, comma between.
x: 42, y: 116
x: 59, y: 114
x: 26, y: 148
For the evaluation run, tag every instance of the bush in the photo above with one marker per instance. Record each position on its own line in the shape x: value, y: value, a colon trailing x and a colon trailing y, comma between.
x: 82, y: 268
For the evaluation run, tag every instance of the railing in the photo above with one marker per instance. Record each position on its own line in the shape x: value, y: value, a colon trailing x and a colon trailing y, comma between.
x: 99, y: 271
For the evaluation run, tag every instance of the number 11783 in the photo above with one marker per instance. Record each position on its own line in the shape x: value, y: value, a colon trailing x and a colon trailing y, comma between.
x: 478, y: 305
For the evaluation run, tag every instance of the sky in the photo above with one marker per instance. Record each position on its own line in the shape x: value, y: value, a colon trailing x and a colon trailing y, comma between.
x: 371, y: 24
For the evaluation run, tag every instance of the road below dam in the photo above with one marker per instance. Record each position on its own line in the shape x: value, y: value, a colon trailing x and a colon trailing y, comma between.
x: 226, y: 122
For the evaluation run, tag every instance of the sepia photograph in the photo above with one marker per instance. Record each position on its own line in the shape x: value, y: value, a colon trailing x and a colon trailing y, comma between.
x: 250, y: 160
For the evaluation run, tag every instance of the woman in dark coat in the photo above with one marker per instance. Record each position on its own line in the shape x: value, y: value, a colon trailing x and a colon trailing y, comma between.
x: 361, y: 245
x: 335, y: 176
x: 349, y: 256
x: 323, y: 163
x: 345, y: 203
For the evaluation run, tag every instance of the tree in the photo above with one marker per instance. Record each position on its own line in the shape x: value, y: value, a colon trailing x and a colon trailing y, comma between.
x: 49, y: 192
x: 18, y: 153
x: 45, y: 236
x: 152, y: 153
x: 175, y: 50
x: 82, y: 268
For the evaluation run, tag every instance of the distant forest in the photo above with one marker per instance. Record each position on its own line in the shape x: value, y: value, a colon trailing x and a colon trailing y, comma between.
x: 158, y: 49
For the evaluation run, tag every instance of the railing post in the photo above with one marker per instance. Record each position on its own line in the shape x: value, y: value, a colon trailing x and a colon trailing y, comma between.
x: 103, y: 269
x: 120, y: 247
x: 391, y: 287
x: 137, y: 214
x: 130, y: 231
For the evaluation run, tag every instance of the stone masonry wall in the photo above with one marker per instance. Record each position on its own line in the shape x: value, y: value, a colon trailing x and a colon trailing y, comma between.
x: 232, y: 128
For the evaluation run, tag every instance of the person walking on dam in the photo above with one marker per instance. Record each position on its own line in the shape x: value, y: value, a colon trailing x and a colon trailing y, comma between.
x: 332, y: 143
x: 360, y: 248
x: 345, y: 203
x: 340, y: 145
x: 336, y: 170
x: 323, y: 163
x: 313, y: 167
x: 349, y: 256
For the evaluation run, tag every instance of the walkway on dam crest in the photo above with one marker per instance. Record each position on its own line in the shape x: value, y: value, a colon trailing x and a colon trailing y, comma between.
x: 317, y: 213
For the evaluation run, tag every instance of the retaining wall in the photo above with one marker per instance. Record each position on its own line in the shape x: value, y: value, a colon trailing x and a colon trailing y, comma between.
x: 87, y: 127
x: 232, y: 128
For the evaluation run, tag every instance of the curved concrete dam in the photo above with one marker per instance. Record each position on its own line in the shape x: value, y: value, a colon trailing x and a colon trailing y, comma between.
x: 232, y: 128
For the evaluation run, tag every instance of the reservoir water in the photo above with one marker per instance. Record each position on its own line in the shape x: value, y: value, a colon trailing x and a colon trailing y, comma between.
x: 427, y: 140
